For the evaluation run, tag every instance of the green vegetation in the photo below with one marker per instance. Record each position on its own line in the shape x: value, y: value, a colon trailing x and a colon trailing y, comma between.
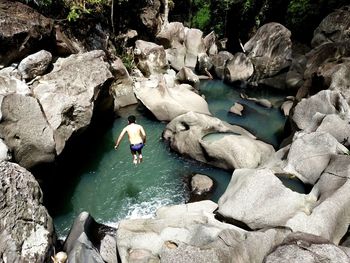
x: 202, y: 17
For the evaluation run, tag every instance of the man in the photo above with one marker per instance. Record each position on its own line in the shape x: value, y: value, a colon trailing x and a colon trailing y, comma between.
x: 137, y: 138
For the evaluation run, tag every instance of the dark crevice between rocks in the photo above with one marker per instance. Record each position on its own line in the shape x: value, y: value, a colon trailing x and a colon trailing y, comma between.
x: 58, y: 179
x: 293, y: 183
x: 231, y: 221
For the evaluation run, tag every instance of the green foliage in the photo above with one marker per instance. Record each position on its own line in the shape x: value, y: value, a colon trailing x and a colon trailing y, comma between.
x: 78, y: 8
x: 128, y: 60
x: 298, y: 10
x: 202, y: 17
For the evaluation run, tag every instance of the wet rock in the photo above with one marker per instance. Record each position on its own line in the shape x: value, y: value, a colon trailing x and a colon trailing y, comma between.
x: 26, y: 131
x: 239, y: 68
x: 270, y: 50
x: 26, y: 229
x: 262, y: 102
x: 150, y: 57
x: 22, y: 31
x: 122, y: 87
x: 167, y: 100
x: 237, y: 109
x: 35, y: 64
x: 287, y: 106
x: 219, y: 62
x: 68, y: 93
x: 334, y: 28
x: 201, y: 184
x: 303, y: 247
x: 233, y: 148
x: 340, y: 79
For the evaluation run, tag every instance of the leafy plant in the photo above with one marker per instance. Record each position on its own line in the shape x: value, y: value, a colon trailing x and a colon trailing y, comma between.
x: 202, y: 17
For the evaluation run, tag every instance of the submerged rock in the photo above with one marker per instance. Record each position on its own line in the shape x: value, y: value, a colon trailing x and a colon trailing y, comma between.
x: 26, y: 229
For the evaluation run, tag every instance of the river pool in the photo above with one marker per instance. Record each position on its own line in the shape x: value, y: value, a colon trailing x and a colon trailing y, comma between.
x: 96, y: 178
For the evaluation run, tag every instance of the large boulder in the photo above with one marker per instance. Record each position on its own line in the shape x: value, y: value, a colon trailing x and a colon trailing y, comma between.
x: 322, y: 63
x: 26, y: 131
x: 176, y: 226
x: 219, y: 62
x: 190, y: 233
x: 86, y: 238
x: 26, y: 229
x: 259, y: 199
x: 150, y: 57
x: 310, y: 154
x: 122, y: 87
x: 194, y: 46
x: 167, y: 100
x: 325, y: 102
x: 22, y: 31
x: 68, y: 93
x: 210, y: 140
x: 334, y: 28
x: 35, y: 64
x: 270, y: 50
x: 239, y: 68
x: 183, y: 45
x: 307, y: 248
x: 340, y: 79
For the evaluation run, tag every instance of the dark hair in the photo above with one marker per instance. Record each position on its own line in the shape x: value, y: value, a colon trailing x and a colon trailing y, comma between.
x: 132, y: 119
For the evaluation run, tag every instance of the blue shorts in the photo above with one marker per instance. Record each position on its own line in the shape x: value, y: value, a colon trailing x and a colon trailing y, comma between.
x: 136, y: 147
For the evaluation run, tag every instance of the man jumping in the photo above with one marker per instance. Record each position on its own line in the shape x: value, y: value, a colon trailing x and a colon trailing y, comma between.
x: 137, y: 138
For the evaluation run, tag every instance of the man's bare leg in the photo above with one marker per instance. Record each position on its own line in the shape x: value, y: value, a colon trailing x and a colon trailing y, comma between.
x: 140, y: 158
x: 134, y: 158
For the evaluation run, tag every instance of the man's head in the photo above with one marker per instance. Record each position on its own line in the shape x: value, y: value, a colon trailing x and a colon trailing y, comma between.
x: 131, y: 119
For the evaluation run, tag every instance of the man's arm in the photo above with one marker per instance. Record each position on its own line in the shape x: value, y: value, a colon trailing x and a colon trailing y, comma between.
x: 120, y: 138
x: 143, y: 134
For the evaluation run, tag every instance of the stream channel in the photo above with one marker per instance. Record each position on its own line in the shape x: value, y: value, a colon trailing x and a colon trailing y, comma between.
x: 104, y: 182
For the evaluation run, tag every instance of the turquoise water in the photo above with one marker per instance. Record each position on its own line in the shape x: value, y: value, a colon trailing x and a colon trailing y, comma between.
x: 110, y: 187
x: 96, y: 178
x: 266, y: 124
